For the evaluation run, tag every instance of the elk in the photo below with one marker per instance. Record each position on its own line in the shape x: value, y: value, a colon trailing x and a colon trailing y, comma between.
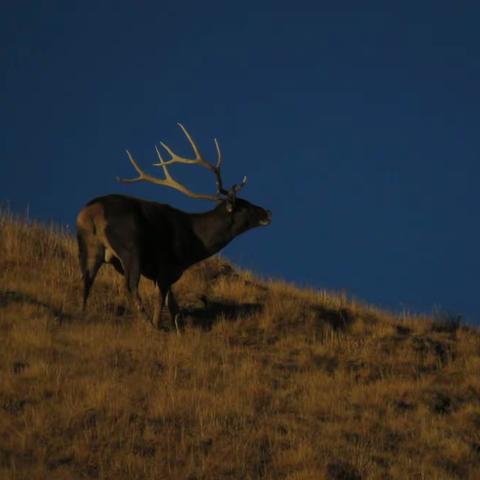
x: 141, y: 237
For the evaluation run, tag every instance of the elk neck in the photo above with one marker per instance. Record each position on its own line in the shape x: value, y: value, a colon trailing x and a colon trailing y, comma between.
x: 213, y: 229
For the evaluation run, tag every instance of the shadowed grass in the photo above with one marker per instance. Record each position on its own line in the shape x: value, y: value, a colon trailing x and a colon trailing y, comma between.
x: 267, y: 381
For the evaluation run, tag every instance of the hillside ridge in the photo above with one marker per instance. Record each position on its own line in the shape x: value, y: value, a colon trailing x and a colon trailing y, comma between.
x: 267, y: 380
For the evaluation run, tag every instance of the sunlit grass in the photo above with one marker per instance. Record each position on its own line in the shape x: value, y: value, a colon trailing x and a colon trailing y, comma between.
x: 267, y: 380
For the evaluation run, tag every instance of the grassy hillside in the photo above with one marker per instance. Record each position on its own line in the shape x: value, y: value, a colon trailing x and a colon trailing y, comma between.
x: 268, y: 381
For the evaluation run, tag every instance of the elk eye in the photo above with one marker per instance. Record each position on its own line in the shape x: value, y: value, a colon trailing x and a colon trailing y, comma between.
x: 229, y: 207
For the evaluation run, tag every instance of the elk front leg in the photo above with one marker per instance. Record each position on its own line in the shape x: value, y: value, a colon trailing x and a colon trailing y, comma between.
x: 175, y: 314
x: 159, y: 307
x: 166, y: 299
x: 132, y: 278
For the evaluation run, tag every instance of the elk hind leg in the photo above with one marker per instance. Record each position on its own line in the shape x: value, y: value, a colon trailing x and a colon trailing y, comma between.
x: 91, y: 259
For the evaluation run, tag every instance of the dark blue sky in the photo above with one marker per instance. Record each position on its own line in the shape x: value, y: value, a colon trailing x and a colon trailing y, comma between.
x: 357, y: 123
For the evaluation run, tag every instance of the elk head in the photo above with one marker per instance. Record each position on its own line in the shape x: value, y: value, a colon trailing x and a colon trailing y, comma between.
x: 241, y: 214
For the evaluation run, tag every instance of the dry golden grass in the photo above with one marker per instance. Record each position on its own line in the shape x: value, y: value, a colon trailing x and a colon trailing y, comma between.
x: 267, y: 381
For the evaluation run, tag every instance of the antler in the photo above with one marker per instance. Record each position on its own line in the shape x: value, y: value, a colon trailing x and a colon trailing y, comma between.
x: 169, y: 181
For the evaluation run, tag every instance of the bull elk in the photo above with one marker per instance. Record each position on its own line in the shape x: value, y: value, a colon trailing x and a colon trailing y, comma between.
x: 141, y: 237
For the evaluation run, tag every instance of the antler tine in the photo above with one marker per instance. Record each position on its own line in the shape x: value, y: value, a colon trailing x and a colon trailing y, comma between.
x: 238, y: 186
x: 216, y: 170
x: 141, y: 174
x: 175, y: 158
x: 219, y: 154
x: 198, y: 156
x: 168, y: 181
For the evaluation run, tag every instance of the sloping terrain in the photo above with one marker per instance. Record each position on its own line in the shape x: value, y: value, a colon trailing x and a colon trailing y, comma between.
x: 267, y: 381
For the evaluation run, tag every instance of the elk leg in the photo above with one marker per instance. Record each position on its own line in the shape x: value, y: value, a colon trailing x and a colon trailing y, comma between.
x: 173, y: 309
x: 89, y: 272
x: 166, y: 298
x: 132, y: 278
x: 159, y: 307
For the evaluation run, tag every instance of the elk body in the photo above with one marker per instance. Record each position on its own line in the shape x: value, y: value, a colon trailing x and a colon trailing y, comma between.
x: 140, y: 237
